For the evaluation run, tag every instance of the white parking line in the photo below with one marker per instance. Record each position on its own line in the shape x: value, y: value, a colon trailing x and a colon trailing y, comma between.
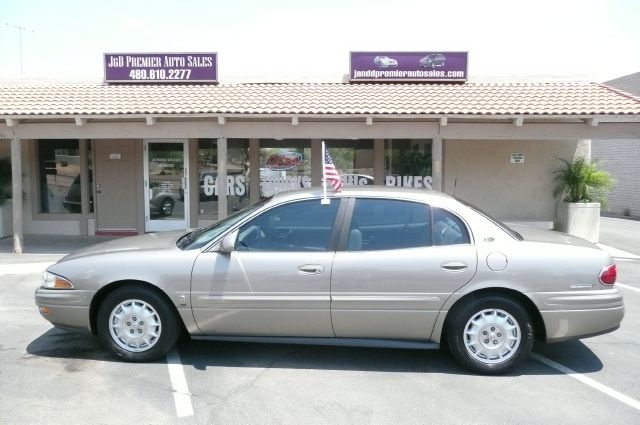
x: 181, y: 394
x: 622, y: 285
x: 588, y: 381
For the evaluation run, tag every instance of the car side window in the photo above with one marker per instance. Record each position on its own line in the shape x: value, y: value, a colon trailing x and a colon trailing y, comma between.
x: 381, y: 224
x: 299, y: 226
x: 448, y: 229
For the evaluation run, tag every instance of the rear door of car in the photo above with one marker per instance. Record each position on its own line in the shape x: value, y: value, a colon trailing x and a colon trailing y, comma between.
x: 397, y: 263
x: 277, y: 280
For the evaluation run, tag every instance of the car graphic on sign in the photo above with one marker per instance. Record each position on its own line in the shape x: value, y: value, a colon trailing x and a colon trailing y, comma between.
x: 284, y: 161
x: 385, y: 62
x: 433, y: 60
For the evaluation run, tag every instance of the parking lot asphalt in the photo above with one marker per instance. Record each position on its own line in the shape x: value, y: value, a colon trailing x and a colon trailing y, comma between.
x: 57, y: 377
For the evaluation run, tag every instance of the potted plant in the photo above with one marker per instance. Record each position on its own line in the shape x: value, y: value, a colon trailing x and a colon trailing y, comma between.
x: 5, y: 197
x: 583, y: 186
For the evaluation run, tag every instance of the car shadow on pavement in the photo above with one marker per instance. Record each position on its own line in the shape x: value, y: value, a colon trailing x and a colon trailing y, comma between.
x: 200, y: 355
x: 204, y: 354
x: 59, y: 343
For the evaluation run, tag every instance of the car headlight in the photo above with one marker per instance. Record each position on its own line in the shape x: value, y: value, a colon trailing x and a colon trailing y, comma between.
x: 52, y: 281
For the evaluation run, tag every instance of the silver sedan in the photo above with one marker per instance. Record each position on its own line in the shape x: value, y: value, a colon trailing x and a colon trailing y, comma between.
x: 369, y: 266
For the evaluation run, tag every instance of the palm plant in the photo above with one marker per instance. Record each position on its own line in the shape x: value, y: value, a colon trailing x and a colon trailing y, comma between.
x: 5, y: 179
x: 582, y: 181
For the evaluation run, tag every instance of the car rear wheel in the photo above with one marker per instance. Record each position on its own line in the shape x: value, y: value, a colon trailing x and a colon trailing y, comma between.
x: 490, y: 335
x: 137, y: 324
x: 166, y: 207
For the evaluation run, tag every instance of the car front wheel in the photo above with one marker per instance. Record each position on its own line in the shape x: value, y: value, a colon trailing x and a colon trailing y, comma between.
x: 491, y: 334
x: 137, y: 324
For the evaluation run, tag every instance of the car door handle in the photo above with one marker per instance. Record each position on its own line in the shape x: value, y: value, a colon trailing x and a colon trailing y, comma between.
x: 310, y: 269
x: 454, y: 266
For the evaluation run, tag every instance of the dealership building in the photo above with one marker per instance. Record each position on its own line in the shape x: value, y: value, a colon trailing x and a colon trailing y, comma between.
x: 129, y: 157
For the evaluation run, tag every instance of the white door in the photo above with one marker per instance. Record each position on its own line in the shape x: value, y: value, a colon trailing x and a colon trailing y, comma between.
x: 166, y: 185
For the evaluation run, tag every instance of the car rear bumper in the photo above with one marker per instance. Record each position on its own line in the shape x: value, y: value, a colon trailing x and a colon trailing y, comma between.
x: 574, y: 315
x: 66, y: 309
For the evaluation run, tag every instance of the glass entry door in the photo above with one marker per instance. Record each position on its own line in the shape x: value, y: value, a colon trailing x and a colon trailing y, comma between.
x: 166, y: 184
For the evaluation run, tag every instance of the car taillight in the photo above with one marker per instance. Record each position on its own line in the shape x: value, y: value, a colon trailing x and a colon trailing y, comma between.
x: 608, y: 275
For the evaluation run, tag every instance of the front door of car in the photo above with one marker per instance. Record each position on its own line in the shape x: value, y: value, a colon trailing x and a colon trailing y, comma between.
x: 277, y: 279
x: 397, y: 269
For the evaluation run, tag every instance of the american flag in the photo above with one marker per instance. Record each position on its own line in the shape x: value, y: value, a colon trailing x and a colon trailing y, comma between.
x: 330, y: 172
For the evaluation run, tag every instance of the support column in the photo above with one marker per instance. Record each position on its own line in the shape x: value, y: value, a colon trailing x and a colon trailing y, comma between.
x: 84, y: 185
x: 254, y: 175
x: 583, y: 150
x: 16, y: 186
x: 317, y: 162
x: 221, y: 182
x: 436, y: 164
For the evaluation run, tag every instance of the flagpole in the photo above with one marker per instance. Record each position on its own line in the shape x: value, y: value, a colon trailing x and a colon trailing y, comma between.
x: 324, y: 200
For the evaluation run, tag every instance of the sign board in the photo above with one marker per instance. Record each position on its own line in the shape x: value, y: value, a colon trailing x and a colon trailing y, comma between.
x: 160, y: 67
x: 517, y: 158
x: 408, y: 66
x: 115, y: 156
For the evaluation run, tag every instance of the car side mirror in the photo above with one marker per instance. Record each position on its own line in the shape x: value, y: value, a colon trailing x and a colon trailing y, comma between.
x: 228, y: 243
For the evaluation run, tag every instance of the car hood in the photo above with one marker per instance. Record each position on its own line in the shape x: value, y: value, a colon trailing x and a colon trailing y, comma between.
x: 532, y: 234
x: 150, y: 241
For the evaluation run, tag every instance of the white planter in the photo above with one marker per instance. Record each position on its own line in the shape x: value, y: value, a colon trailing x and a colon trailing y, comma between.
x: 580, y: 219
x: 6, y: 219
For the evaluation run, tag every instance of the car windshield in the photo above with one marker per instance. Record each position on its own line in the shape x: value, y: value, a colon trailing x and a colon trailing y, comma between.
x: 498, y: 223
x: 200, y: 237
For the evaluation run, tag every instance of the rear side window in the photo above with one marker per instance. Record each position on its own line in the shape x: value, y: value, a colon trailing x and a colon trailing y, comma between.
x: 380, y: 224
x: 448, y: 229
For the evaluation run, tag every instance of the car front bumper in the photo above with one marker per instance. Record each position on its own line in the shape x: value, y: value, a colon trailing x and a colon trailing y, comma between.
x: 579, y: 314
x: 66, y: 309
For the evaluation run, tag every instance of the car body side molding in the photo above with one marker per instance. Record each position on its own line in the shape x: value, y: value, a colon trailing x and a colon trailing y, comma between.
x: 343, y: 342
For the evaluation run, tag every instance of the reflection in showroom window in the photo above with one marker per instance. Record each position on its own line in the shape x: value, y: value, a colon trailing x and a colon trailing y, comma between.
x: 300, y: 226
x: 353, y: 159
x: 284, y: 165
x: 407, y: 163
x: 59, y: 172
x: 237, y: 175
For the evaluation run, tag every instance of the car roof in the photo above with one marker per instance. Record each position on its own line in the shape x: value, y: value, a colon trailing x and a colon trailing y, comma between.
x: 421, y: 194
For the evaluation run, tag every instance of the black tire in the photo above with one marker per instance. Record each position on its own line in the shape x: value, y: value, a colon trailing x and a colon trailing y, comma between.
x: 150, y: 340
x: 166, y: 207
x: 506, y: 330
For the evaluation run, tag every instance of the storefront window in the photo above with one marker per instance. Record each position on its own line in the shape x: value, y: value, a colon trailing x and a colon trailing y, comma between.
x: 237, y: 175
x: 284, y: 165
x: 353, y: 159
x: 407, y: 163
x: 59, y: 171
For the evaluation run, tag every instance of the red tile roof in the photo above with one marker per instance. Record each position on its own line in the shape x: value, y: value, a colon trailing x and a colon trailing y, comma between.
x: 554, y: 98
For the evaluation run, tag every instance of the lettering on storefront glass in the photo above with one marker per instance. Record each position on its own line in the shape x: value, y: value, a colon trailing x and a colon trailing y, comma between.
x: 272, y: 184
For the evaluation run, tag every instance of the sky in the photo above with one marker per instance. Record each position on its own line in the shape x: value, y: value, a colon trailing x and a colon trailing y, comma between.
x: 310, y: 41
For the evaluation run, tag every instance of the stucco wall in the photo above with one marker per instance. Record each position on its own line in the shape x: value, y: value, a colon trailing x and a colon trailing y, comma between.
x: 482, y: 173
x: 621, y: 158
